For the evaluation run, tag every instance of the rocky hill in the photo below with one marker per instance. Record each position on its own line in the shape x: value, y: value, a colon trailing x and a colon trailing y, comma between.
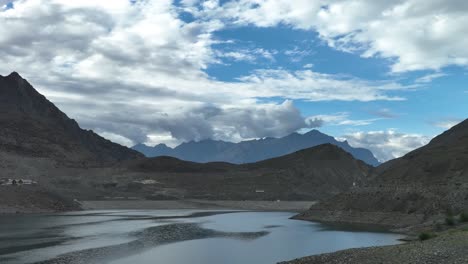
x: 252, y: 150
x: 33, y: 126
x: 308, y: 174
x: 423, y: 184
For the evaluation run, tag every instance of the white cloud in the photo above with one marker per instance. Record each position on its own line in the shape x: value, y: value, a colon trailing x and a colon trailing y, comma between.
x: 296, y: 54
x: 247, y: 55
x: 430, y: 77
x: 342, y: 119
x: 387, y: 145
x: 134, y: 71
x: 448, y: 123
x: 413, y: 34
x: 313, y: 86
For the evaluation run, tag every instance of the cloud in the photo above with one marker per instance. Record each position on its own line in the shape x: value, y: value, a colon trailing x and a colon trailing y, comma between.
x: 133, y: 71
x: 340, y: 119
x: 384, y: 113
x: 247, y: 55
x: 413, y: 34
x: 296, y: 54
x: 314, y: 86
x: 387, y: 145
x: 430, y: 77
x: 231, y: 123
x: 447, y: 123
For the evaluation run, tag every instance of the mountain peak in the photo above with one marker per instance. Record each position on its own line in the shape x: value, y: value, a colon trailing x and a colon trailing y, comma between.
x: 315, y: 132
x: 14, y: 75
x: 256, y: 150
x: 33, y: 125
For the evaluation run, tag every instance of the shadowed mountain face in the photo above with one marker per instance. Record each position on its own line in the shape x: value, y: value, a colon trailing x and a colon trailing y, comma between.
x: 253, y: 150
x: 309, y: 174
x: 428, y: 181
x: 32, y: 126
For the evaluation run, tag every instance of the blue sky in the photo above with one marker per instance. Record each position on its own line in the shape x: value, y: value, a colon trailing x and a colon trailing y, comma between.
x: 387, y: 76
x: 424, y: 106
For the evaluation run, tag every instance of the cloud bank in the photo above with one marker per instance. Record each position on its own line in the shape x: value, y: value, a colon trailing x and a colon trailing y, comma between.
x: 135, y: 71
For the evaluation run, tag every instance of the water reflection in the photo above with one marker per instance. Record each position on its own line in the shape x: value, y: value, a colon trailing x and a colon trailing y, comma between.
x: 172, y: 236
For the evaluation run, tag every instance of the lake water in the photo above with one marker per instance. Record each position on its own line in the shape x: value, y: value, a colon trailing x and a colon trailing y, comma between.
x: 172, y: 236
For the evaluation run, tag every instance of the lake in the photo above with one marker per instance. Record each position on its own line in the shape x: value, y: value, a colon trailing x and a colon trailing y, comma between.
x: 172, y: 236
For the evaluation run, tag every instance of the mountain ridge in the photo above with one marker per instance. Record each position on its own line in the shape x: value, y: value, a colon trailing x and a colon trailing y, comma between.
x: 423, y: 185
x: 252, y: 150
x: 34, y: 126
x: 309, y: 174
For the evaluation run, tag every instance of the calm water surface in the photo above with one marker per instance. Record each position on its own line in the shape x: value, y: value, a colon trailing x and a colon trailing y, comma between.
x: 172, y: 236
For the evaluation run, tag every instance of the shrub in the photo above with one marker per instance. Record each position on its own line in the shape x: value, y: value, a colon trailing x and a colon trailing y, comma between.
x: 425, y: 236
x: 450, y: 220
x: 464, y: 217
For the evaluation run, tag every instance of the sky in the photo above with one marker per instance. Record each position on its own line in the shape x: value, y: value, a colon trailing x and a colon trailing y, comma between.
x: 384, y: 75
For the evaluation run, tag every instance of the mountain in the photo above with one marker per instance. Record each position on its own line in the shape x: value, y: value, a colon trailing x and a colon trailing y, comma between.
x: 33, y: 126
x: 308, y: 174
x: 252, y: 150
x: 425, y: 183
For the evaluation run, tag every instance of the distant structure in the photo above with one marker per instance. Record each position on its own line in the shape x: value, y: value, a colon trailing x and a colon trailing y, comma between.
x: 260, y: 191
x: 17, y: 182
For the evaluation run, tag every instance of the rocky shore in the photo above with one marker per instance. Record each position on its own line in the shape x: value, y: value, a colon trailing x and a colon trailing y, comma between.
x: 31, y: 200
x: 387, y: 220
x: 448, y: 247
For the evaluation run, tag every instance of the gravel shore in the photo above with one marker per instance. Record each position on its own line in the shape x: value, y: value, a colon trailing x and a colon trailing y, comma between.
x: 450, y: 247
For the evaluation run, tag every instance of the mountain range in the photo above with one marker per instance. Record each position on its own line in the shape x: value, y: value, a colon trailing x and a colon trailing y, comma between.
x: 309, y: 174
x: 41, y: 143
x: 426, y: 183
x: 252, y: 150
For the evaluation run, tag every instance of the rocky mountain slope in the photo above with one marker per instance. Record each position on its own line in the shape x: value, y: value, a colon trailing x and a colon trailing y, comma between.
x: 33, y: 126
x: 428, y: 182
x: 39, y: 142
x: 311, y: 174
x: 252, y: 150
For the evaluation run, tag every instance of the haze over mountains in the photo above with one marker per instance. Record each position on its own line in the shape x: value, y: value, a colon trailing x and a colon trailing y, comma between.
x: 252, y: 150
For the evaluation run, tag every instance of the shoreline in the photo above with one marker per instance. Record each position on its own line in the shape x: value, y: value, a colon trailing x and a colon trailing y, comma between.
x: 447, y: 247
x: 290, y: 206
